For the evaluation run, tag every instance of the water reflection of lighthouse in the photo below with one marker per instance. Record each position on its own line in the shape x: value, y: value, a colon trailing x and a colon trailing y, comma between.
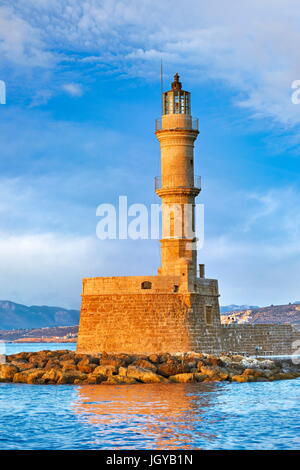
x: 165, y: 416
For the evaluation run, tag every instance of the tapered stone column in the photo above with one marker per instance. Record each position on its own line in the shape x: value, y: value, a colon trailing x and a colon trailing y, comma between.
x: 177, y: 187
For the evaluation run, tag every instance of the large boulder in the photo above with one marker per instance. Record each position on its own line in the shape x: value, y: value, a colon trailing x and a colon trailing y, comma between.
x: 214, y: 373
x: 240, y: 378
x: 172, y: 367
x: 7, y: 372
x: 95, y: 379
x: 67, y: 363
x: 266, y: 364
x: 206, y: 370
x: 226, y: 360
x: 22, y: 356
x: 30, y: 376
x: 34, y: 376
x: 20, y: 377
x: 144, y: 364
x: 52, y: 364
x: 183, y: 378
x: 195, y: 356
x: 144, y: 375
x: 250, y: 363
x: 38, y: 360
x: 105, y: 370
x: 213, y: 361
x: 91, y: 359
x: 237, y: 358
x: 251, y: 373
x: 67, y: 356
x: 287, y: 365
x: 119, y: 380
x: 123, y: 371
x: 51, y: 376
x: 200, y: 377
x: 85, y: 366
x: 69, y: 377
x: 21, y: 365
x: 115, y: 360
x: 154, y: 358
x: 285, y: 376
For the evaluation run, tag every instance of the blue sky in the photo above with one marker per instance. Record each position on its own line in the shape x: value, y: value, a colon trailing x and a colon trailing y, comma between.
x: 83, y: 92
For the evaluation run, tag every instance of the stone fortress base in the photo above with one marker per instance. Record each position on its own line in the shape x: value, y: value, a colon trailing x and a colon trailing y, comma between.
x: 149, y: 314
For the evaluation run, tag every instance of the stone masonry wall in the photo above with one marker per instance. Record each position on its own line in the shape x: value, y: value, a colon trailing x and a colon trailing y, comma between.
x: 162, y: 322
x: 270, y: 339
x: 134, y: 323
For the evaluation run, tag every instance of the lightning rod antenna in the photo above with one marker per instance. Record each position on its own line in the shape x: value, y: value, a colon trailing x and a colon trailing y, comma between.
x: 161, y: 84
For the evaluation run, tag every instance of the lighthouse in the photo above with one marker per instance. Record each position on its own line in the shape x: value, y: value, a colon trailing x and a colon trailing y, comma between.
x: 176, y: 310
x: 177, y: 186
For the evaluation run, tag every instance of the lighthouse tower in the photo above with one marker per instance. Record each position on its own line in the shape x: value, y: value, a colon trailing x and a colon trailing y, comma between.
x: 176, y: 310
x: 177, y: 186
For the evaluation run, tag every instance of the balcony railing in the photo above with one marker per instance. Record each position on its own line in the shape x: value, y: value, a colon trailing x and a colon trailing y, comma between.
x: 176, y: 181
x: 194, y: 125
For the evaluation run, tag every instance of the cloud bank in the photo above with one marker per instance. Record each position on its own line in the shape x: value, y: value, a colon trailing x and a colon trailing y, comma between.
x: 251, y: 46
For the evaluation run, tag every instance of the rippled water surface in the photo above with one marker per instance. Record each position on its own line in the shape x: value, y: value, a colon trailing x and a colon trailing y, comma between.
x: 263, y: 415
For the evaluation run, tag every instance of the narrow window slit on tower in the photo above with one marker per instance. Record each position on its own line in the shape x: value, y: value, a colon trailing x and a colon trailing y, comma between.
x: 175, y: 288
x: 172, y: 224
x: 208, y: 314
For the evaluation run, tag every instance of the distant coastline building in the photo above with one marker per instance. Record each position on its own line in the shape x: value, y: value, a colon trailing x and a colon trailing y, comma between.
x: 178, y: 309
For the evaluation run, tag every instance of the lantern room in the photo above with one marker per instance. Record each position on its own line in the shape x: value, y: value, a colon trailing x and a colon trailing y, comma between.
x: 176, y: 101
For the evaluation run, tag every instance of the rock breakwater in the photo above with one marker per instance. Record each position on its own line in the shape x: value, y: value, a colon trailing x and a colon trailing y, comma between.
x: 67, y: 367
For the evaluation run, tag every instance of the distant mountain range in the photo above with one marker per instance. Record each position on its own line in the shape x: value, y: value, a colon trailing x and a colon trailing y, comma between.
x: 233, y: 307
x: 18, y: 316
x: 55, y: 334
x: 15, y: 316
x: 279, y: 314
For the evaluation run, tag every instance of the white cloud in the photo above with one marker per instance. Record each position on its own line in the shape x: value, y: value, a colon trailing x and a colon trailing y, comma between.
x: 252, y: 46
x: 73, y: 89
x: 21, y: 43
x: 253, y: 273
x: 47, y: 268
